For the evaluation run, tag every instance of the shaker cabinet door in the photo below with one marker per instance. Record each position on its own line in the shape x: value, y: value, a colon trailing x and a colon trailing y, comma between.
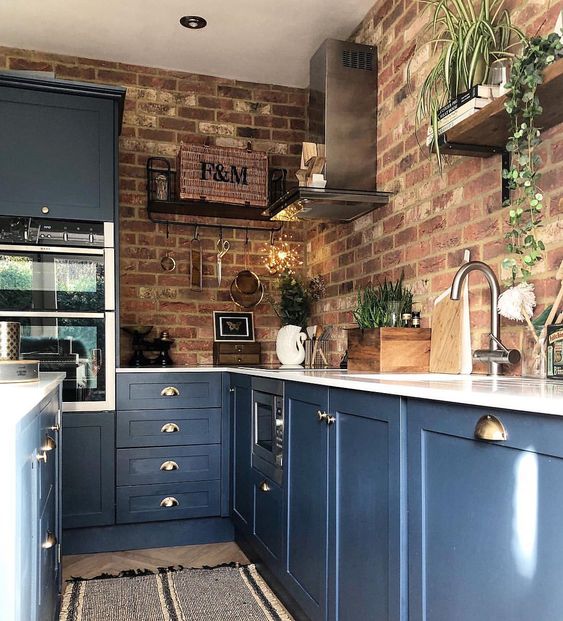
x: 241, y: 418
x: 88, y: 469
x: 307, y: 496
x: 484, y: 516
x: 365, y: 501
x: 57, y: 155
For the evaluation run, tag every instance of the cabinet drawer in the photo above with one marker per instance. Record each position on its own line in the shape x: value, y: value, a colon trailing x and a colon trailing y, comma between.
x: 168, y: 427
x: 145, y: 391
x: 238, y: 359
x: 268, y: 514
x: 140, y: 466
x: 147, y: 503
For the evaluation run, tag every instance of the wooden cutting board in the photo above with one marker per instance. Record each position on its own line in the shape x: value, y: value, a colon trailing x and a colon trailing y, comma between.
x: 447, y: 346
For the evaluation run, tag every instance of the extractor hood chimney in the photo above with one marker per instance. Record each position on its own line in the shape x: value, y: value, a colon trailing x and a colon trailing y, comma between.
x: 342, y: 116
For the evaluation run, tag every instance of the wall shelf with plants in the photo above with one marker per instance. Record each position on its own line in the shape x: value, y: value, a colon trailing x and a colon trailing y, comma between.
x: 487, y: 131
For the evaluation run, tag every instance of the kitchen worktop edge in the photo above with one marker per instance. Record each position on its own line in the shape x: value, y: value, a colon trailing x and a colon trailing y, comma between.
x: 514, y: 393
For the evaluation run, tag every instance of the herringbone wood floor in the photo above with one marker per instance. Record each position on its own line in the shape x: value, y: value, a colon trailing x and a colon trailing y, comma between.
x: 91, y: 565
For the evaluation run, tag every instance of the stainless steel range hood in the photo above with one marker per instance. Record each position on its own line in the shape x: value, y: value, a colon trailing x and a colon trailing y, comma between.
x: 342, y: 116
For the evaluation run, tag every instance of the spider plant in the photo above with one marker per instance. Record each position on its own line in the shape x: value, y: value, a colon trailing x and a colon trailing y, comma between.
x: 467, y: 38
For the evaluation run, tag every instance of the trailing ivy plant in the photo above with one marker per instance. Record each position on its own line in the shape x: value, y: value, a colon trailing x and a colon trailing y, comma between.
x: 526, y: 201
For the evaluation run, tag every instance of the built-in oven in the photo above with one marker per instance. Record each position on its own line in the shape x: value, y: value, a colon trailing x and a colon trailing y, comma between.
x: 268, y: 427
x: 57, y: 279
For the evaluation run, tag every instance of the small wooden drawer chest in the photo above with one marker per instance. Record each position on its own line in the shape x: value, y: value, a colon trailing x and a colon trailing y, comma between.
x: 236, y: 353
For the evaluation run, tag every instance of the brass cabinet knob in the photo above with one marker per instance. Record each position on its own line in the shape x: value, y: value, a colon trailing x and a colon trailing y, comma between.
x: 238, y: 349
x: 231, y: 390
x: 169, y: 465
x: 322, y: 416
x: 44, y: 209
x: 42, y: 456
x: 169, y: 501
x: 50, y: 541
x: 170, y: 391
x: 330, y: 420
x: 49, y: 444
x: 491, y: 429
x: 265, y: 486
x: 55, y: 427
x: 169, y: 428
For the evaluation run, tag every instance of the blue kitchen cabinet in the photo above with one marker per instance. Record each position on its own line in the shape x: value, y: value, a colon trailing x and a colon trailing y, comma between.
x: 58, y: 153
x: 306, y: 472
x: 241, y: 448
x: 366, y: 496
x: 268, y: 520
x: 88, y: 462
x: 484, y: 516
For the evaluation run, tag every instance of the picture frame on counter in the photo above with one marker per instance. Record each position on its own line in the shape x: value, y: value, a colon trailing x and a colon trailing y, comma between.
x: 233, y: 327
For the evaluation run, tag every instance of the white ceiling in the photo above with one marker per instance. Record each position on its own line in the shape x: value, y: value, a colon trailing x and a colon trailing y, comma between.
x: 267, y: 41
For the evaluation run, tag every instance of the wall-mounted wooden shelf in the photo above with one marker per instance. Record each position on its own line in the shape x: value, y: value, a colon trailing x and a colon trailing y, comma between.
x: 486, y: 132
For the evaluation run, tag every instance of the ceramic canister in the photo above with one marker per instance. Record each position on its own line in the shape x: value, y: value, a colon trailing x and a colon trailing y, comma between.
x: 9, y: 340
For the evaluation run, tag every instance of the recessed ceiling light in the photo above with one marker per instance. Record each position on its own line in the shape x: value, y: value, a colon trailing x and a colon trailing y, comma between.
x: 194, y: 22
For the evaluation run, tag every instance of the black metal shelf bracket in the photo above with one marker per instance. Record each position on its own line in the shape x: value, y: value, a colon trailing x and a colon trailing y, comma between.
x: 478, y: 150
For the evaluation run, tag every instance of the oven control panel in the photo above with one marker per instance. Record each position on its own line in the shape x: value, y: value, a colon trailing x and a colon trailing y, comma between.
x: 39, y: 231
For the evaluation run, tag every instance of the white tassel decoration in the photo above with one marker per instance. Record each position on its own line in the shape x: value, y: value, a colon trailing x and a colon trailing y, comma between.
x: 518, y: 302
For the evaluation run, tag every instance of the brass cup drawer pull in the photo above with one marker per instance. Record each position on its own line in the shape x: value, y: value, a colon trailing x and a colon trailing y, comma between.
x: 170, y: 391
x: 169, y: 501
x: 50, y: 541
x: 50, y: 444
x: 169, y: 465
x: 491, y: 429
x: 42, y: 456
x: 322, y: 416
x: 169, y: 428
x: 265, y: 486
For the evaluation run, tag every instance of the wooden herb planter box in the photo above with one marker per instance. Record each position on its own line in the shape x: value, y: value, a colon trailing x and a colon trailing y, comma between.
x: 389, y: 350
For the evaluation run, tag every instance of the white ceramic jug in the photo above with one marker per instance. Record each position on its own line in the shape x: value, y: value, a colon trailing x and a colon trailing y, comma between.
x: 289, y: 345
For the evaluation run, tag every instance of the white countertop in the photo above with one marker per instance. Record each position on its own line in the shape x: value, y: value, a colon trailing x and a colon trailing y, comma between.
x: 514, y: 393
x: 19, y: 399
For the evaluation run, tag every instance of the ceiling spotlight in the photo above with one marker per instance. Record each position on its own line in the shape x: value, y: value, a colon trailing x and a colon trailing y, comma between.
x: 194, y: 22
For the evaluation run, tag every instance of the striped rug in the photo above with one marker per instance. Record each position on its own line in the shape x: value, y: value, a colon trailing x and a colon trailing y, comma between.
x: 226, y: 593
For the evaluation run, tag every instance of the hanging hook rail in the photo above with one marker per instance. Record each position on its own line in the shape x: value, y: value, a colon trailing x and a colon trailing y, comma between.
x: 235, y: 227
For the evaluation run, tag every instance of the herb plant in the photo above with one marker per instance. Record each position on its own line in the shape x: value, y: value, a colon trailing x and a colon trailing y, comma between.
x: 526, y: 201
x: 296, y: 298
x: 377, y: 303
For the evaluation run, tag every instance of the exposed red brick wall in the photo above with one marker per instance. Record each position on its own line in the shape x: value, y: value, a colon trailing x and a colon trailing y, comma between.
x: 432, y: 218
x: 163, y: 108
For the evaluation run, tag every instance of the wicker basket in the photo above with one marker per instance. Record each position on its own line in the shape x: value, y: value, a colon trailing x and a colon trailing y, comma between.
x: 222, y: 175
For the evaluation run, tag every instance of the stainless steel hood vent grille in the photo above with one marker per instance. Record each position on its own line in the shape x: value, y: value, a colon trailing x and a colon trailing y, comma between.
x: 357, y: 59
x: 342, y: 120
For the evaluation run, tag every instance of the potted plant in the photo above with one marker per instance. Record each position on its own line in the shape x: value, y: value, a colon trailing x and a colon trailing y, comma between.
x: 379, y: 344
x: 469, y: 39
x: 294, y: 310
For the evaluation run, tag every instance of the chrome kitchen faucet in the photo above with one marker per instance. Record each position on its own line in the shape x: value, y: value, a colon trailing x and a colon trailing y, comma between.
x: 498, y: 353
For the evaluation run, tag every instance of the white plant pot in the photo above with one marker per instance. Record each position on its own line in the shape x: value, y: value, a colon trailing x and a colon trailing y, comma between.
x: 289, y: 345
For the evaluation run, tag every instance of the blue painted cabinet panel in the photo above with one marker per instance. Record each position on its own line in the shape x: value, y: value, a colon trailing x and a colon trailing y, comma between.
x: 57, y: 152
x: 242, y: 483
x: 484, y: 517
x: 88, y: 469
x: 268, y: 518
x: 306, y: 470
x: 365, y: 501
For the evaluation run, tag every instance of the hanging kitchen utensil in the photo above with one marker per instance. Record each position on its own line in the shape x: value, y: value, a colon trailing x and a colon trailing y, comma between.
x: 246, y: 281
x: 246, y: 300
x: 222, y: 249
x: 196, y: 266
x: 167, y: 262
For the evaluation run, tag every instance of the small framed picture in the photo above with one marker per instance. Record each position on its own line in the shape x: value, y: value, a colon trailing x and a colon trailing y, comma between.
x: 233, y: 326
